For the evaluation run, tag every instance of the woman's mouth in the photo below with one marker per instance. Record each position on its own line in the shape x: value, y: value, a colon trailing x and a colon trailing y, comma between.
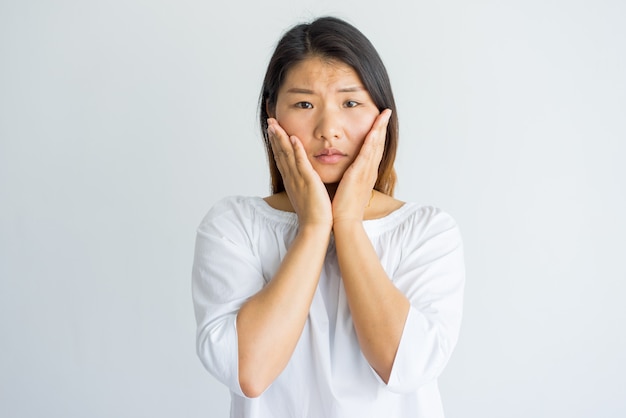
x: 330, y: 156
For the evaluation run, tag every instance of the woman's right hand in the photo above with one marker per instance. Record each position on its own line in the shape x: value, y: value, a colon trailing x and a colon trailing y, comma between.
x: 303, y: 185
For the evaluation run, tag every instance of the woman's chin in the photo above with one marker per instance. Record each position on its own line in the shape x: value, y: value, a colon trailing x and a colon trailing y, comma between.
x: 331, y: 177
x: 331, y: 181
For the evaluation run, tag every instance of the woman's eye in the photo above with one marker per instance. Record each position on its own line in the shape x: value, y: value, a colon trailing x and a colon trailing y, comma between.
x: 351, y: 103
x: 304, y: 105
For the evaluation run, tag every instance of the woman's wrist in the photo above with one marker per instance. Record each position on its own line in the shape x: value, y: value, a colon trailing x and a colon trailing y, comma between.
x: 347, y: 224
x: 315, y: 229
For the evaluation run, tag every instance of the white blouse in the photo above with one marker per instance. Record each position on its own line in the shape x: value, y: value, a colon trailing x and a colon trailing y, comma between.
x: 240, y: 244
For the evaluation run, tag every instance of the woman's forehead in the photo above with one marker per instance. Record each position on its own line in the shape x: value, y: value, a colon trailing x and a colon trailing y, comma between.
x: 315, y: 73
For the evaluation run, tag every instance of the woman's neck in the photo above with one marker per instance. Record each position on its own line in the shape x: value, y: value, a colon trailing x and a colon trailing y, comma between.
x: 331, y: 188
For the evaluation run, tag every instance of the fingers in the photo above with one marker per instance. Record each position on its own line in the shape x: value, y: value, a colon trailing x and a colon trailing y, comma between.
x: 374, y: 144
x: 355, y: 189
x: 378, y: 134
x: 305, y: 189
x: 289, y: 152
x: 382, y: 120
x: 281, y: 146
x: 278, y: 139
x: 302, y: 162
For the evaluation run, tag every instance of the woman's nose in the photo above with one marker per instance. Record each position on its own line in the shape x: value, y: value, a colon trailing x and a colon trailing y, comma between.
x: 328, y: 125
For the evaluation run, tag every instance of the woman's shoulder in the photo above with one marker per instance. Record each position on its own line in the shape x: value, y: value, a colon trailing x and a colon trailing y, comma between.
x: 244, y: 211
x: 381, y: 206
x: 230, y: 205
x: 410, y: 218
x: 280, y: 202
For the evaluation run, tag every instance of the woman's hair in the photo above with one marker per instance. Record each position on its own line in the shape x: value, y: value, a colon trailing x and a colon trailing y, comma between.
x: 333, y: 39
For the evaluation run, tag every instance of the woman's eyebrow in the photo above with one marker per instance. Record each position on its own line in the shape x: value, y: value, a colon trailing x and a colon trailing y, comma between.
x: 350, y: 89
x: 300, y: 91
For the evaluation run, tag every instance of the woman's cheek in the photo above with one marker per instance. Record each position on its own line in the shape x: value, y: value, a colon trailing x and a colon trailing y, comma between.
x: 292, y: 125
x: 362, y: 126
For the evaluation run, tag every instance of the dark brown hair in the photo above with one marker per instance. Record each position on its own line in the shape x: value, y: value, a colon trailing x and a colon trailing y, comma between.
x: 333, y: 39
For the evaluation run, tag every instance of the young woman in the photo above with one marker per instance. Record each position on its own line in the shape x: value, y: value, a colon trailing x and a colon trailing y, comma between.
x: 329, y: 298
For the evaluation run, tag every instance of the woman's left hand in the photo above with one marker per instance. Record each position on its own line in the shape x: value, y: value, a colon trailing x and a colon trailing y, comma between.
x: 356, y: 186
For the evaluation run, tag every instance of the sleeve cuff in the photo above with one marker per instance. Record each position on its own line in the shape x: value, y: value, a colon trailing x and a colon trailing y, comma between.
x: 420, y: 356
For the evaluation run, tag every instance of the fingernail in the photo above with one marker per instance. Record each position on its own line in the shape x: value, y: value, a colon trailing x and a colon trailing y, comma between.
x: 271, y: 130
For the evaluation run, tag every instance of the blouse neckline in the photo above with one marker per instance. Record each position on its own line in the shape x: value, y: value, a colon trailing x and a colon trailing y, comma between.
x: 372, y: 226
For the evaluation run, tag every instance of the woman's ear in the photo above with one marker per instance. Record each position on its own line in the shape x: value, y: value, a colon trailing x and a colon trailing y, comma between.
x: 269, y: 109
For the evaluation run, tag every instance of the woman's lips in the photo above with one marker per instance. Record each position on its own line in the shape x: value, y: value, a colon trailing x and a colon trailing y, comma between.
x: 330, y: 156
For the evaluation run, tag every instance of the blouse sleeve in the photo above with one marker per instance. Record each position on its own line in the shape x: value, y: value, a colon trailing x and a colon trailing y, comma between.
x: 225, y: 274
x: 431, y: 274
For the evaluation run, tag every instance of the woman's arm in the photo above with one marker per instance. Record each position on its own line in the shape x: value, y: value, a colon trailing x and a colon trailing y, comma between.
x: 270, y: 323
x: 378, y: 308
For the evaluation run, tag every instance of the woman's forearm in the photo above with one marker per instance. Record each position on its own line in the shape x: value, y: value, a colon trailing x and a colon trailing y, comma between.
x: 379, y: 310
x: 269, y: 324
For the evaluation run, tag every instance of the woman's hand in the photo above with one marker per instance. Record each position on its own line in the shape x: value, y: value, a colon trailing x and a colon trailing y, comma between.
x: 303, y: 185
x: 356, y: 186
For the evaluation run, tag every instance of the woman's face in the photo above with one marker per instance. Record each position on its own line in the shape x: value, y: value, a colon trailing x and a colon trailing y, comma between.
x: 325, y: 104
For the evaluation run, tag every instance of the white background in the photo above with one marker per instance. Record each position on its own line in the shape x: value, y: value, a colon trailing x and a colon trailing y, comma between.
x: 122, y: 122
